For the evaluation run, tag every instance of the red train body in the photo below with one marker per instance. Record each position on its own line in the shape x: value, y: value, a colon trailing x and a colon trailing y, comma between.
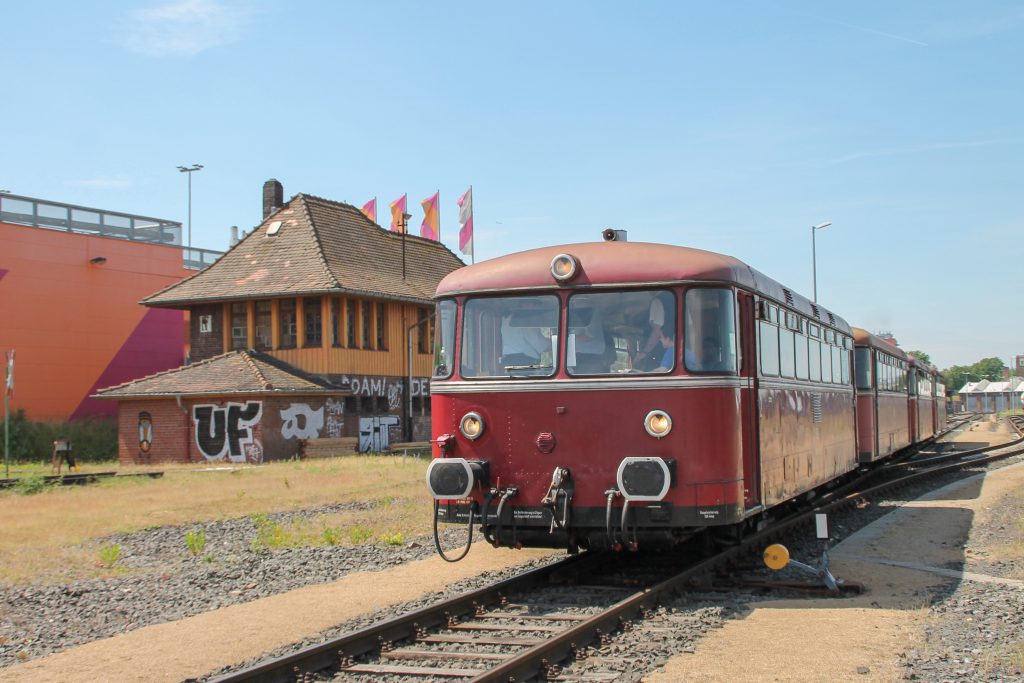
x: 627, y: 394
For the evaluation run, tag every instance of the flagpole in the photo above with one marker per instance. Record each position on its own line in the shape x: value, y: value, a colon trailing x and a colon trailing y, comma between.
x: 7, y: 425
x: 472, y: 257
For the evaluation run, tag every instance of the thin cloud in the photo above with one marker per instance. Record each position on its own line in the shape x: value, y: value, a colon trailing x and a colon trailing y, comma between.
x: 916, y: 149
x: 880, y: 33
x: 183, y: 28
x: 103, y: 183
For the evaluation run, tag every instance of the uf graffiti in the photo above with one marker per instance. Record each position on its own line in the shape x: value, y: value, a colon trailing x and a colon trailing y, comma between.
x: 228, y: 431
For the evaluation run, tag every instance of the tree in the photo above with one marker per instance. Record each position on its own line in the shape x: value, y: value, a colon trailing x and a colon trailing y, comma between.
x: 957, y: 376
x: 921, y: 356
x: 989, y: 368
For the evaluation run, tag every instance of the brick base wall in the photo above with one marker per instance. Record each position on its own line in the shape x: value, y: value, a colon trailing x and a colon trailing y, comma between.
x: 170, y: 432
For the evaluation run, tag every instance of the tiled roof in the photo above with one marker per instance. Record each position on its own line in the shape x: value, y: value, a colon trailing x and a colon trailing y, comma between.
x: 235, y: 372
x: 321, y: 246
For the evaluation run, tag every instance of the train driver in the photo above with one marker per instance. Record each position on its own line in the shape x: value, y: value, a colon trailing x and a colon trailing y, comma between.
x: 661, y: 319
x: 521, y: 345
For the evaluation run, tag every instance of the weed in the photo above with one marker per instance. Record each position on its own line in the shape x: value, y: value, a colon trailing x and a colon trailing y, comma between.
x: 332, y: 535
x: 360, y: 534
x: 241, y: 494
x: 385, y: 502
x: 269, y: 534
x: 109, y: 555
x: 208, y: 558
x: 195, y: 541
x: 394, y: 539
x: 31, y: 485
x: 287, y: 484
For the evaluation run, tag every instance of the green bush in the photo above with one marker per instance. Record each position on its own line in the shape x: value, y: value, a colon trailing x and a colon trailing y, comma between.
x: 93, y: 439
x: 30, y: 485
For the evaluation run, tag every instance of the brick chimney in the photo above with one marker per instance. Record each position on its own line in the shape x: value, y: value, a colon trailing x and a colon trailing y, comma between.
x: 273, y: 197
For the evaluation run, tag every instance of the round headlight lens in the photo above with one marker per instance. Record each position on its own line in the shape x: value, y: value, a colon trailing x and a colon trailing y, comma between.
x: 563, y: 267
x: 472, y: 426
x: 658, y: 423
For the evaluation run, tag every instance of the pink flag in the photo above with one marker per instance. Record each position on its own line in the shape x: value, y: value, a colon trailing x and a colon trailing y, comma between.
x: 370, y: 209
x: 466, y: 221
x: 10, y: 372
x: 398, y: 214
x: 431, y: 227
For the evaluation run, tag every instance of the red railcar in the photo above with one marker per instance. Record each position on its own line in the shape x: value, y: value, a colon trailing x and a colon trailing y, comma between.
x: 883, y: 410
x: 609, y: 394
x: 923, y: 379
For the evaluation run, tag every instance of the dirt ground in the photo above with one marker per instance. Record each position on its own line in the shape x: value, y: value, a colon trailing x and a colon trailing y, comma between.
x: 783, y: 640
x: 203, y: 643
x: 857, y: 639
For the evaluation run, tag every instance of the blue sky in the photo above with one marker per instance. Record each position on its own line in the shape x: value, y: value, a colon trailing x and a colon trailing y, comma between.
x: 726, y: 126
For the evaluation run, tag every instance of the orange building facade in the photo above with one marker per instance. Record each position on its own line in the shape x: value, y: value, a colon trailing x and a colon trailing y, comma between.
x: 69, y: 308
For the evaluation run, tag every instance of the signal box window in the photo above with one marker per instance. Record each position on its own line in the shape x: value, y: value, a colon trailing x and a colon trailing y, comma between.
x: 509, y: 337
x: 365, y: 315
x: 239, y: 325
x: 312, y: 313
x: 263, y: 326
x: 444, y: 339
x: 350, y: 324
x: 286, y: 314
x: 709, y: 329
x: 621, y: 332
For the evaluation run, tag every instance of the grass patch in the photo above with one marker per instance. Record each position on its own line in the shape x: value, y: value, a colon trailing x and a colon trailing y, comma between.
x: 195, y: 541
x: 30, y: 485
x: 109, y: 555
x: 45, y: 536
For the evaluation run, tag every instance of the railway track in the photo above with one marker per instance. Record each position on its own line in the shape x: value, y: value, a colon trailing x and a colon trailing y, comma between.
x: 530, y: 626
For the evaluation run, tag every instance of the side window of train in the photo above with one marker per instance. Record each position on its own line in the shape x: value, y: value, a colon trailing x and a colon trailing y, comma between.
x: 709, y: 330
x: 802, y: 370
x: 826, y: 359
x: 862, y: 366
x: 768, y: 340
x: 814, y: 352
x: 444, y: 339
x: 845, y: 352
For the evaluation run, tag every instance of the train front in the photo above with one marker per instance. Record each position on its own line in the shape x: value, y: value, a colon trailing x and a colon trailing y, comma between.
x: 588, y: 396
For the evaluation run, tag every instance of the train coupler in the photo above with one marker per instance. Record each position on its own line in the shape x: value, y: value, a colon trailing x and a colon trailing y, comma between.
x: 559, y: 494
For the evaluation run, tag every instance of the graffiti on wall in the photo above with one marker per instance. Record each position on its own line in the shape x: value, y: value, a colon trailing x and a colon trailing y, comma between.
x: 229, y: 431
x: 145, y: 431
x: 299, y: 421
x: 375, y: 433
x: 335, y: 418
x: 391, y: 387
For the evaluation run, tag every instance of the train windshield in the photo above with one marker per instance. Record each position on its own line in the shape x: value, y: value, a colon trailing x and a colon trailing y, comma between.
x: 617, y: 332
x: 444, y: 339
x: 513, y: 336
x: 709, y: 330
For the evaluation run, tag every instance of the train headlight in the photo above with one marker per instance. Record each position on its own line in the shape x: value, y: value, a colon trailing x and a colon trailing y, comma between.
x: 658, y: 423
x: 563, y: 267
x: 472, y: 426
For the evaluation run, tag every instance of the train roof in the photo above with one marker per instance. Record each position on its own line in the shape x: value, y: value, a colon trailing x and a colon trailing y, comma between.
x: 603, y: 264
x: 862, y: 337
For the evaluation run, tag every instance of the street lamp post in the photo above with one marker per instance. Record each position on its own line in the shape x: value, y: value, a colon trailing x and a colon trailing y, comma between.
x: 190, y: 170
x: 814, y: 255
